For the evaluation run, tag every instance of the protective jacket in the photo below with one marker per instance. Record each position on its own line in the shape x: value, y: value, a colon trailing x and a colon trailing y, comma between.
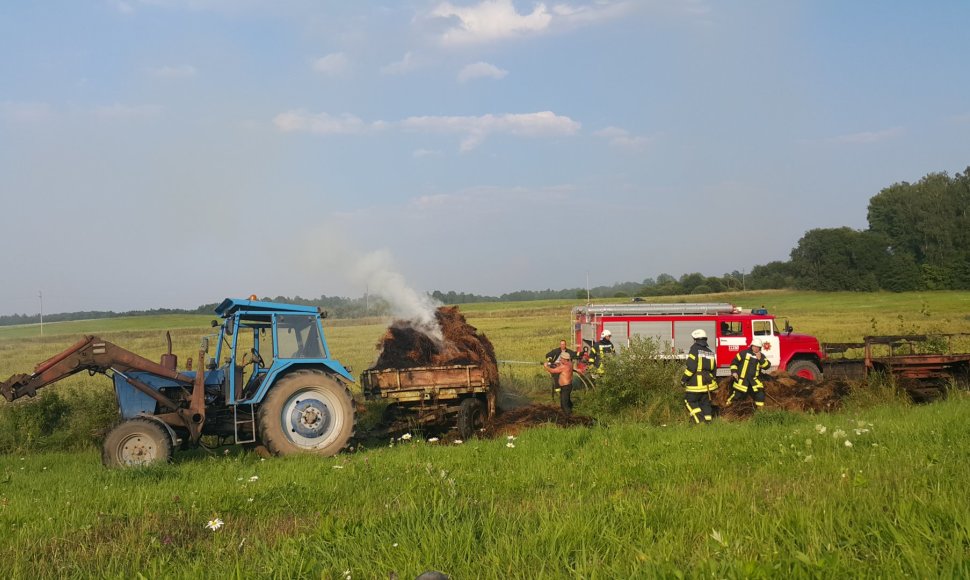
x: 699, y: 374
x: 748, y: 369
x: 601, y: 348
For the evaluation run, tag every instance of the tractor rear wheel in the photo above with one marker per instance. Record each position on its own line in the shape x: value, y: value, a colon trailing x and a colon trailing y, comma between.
x: 307, y: 411
x: 805, y: 369
x: 136, y: 443
x: 471, y: 418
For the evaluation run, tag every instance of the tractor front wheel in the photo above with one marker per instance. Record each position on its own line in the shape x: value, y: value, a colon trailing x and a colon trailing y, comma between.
x: 307, y: 411
x: 136, y: 443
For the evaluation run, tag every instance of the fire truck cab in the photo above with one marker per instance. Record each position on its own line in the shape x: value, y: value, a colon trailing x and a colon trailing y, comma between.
x: 729, y: 328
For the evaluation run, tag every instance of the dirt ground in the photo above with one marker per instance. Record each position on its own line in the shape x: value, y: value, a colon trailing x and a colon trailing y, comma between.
x: 516, y: 420
x: 787, y: 393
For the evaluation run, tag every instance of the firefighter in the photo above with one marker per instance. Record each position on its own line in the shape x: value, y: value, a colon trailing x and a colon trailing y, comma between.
x: 746, y: 370
x: 563, y: 368
x: 698, y: 378
x: 601, y: 348
x: 552, y: 357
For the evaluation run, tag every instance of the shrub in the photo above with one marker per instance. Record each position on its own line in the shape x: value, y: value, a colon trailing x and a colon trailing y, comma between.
x: 636, y: 382
x: 57, y: 420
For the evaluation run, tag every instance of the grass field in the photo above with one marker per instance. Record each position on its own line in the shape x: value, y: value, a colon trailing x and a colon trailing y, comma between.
x: 766, y: 498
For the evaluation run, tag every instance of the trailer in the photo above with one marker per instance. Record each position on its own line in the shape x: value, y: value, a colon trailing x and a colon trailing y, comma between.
x: 923, y: 364
x: 443, y: 396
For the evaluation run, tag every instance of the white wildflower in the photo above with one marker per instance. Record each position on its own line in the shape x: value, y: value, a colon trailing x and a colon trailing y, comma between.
x: 406, y: 437
x: 253, y: 478
x: 861, y: 431
x: 394, y: 545
x: 821, y: 429
x: 215, y: 524
x: 510, y: 445
x: 809, y: 458
x: 848, y: 443
x: 838, y: 434
x: 458, y: 441
x: 511, y: 437
x: 338, y: 466
x: 433, y: 440
x: 808, y: 443
x: 251, y: 500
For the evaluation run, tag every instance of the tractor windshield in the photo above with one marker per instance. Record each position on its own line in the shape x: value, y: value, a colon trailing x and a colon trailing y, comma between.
x: 298, y: 336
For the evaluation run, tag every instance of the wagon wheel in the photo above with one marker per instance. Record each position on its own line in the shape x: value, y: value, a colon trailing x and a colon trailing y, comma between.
x: 471, y: 418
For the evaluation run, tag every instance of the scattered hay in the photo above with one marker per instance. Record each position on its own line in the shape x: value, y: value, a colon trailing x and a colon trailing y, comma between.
x: 788, y: 393
x: 515, y: 421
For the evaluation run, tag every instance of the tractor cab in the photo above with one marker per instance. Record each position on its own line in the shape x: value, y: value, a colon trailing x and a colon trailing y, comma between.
x: 260, y: 340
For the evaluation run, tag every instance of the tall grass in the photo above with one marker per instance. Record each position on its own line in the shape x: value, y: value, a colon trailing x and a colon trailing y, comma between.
x: 758, y: 499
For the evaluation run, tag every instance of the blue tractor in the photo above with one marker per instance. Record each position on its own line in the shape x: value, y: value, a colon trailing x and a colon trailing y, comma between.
x: 270, y: 383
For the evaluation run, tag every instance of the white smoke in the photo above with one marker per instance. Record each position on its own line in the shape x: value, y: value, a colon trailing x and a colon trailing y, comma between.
x: 329, y: 249
x: 376, y: 271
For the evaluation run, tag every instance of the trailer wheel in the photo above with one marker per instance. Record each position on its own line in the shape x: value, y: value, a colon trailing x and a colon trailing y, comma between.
x: 805, y: 369
x: 471, y: 418
x: 307, y: 411
x: 136, y: 443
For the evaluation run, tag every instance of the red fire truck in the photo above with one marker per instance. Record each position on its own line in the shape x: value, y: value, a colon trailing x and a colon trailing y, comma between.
x: 729, y: 329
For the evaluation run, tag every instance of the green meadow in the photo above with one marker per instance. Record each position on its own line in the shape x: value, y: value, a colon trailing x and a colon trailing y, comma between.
x: 875, y: 490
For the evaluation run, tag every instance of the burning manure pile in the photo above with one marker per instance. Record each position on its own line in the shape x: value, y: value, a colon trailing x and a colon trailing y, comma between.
x: 787, y: 393
x: 407, y: 344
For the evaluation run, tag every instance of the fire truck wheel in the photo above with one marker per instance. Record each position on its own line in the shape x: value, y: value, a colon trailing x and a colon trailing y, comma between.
x: 805, y: 369
x: 471, y: 418
x: 307, y: 411
x: 136, y: 443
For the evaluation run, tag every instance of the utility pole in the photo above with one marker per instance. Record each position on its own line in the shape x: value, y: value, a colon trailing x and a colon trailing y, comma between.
x: 587, y: 288
x: 40, y: 294
x: 742, y: 279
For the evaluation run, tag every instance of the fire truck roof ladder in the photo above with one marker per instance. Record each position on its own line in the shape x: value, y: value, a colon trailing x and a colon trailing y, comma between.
x: 658, y: 309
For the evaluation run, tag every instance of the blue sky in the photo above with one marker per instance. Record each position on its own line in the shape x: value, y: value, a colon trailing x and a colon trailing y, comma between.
x: 168, y: 153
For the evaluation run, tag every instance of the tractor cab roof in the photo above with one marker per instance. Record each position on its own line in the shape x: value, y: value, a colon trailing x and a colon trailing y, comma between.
x: 231, y: 306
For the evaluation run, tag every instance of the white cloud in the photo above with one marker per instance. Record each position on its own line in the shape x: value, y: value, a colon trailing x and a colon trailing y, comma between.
x: 477, y: 129
x: 20, y: 112
x: 407, y: 63
x: 123, y: 7
x: 480, y: 70
x: 622, y: 138
x: 419, y: 153
x: 867, y: 137
x: 331, y: 64
x: 321, y: 123
x: 175, y: 72
x: 494, y: 20
x: 474, y: 130
x: 127, y: 112
x: 490, y: 20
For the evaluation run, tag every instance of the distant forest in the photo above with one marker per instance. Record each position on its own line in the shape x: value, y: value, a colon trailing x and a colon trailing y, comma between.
x: 918, y: 239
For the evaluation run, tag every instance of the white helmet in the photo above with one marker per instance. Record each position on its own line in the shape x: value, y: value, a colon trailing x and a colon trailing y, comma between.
x: 698, y: 334
x: 758, y: 342
x: 606, y: 334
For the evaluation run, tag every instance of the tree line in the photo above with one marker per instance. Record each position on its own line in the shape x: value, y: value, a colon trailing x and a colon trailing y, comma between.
x: 918, y: 239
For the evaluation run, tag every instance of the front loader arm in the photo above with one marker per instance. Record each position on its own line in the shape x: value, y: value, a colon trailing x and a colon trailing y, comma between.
x: 88, y: 354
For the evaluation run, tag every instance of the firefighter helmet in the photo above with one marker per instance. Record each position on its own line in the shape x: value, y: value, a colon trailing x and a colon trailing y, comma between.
x: 758, y: 342
x: 606, y: 334
x: 698, y: 334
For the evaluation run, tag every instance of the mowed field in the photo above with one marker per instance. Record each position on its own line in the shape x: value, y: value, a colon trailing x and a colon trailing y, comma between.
x: 871, y: 491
